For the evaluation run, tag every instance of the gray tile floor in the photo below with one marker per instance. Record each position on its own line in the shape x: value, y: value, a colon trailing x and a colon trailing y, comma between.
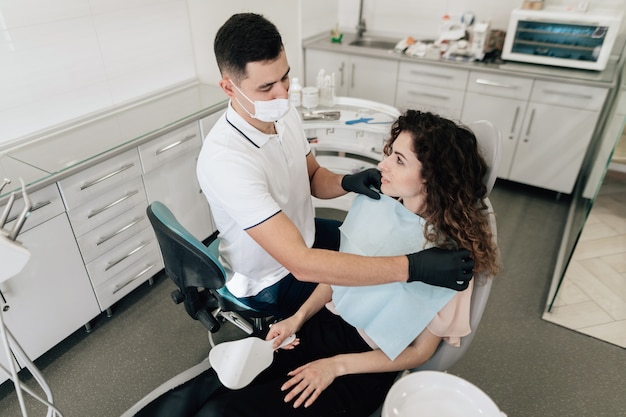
x: 528, y: 366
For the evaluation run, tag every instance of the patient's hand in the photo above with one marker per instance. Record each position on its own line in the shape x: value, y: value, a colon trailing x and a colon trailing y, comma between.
x: 282, y: 330
x: 308, y: 381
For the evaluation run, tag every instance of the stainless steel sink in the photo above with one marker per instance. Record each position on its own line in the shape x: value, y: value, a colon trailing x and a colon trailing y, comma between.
x: 373, y: 43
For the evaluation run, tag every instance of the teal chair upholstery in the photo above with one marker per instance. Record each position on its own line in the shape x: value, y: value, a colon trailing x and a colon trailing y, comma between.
x: 199, y: 276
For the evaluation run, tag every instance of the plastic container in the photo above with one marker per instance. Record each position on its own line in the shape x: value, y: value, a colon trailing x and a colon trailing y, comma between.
x: 310, y: 97
x: 295, y: 92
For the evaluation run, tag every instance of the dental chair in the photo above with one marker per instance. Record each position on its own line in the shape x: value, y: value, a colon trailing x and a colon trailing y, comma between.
x: 199, y: 276
x: 489, y: 144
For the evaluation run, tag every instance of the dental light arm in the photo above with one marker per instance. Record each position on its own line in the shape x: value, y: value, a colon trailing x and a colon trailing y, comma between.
x: 13, y: 256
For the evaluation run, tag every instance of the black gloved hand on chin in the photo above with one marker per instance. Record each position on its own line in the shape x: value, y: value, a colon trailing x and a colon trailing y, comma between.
x: 361, y: 182
x: 441, y: 267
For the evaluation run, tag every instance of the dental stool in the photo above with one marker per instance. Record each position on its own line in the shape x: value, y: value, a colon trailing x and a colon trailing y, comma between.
x: 199, y: 276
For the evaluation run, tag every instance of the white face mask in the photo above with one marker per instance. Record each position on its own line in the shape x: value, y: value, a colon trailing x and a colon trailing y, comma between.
x: 268, y: 110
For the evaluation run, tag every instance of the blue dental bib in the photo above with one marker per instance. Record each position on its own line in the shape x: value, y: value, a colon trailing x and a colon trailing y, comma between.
x: 392, y: 315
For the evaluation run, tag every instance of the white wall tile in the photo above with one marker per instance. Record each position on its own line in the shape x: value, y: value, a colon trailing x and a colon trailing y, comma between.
x: 18, y: 13
x: 61, y: 59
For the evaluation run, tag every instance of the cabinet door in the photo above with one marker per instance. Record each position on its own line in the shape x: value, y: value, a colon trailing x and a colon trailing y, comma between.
x: 552, y: 146
x: 506, y: 114
x: 330, y: 62
x: 355, y: 76
x: 175, y: 184
x: 52, y: 297
x: 373, y: 79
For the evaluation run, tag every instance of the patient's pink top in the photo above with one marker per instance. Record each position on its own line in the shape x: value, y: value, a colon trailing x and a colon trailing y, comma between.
x: 453, y: 320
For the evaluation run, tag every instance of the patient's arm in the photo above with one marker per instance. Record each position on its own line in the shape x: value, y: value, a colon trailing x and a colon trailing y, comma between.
x: 308, y: 381
x: 285, y: 328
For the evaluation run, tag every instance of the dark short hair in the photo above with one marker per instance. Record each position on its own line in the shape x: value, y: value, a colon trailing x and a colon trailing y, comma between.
x: 244, y: 38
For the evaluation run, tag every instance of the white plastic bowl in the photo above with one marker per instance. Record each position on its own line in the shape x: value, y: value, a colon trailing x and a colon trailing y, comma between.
x: 437, y: 394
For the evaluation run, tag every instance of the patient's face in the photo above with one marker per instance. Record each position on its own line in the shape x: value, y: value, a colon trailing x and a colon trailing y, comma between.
x: 401, y: 175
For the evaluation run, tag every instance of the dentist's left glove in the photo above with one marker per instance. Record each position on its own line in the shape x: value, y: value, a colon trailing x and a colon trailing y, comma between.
x: 362, y: 181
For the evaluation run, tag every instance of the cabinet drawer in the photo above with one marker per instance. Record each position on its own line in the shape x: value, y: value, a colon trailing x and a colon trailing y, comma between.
x: 169, y: 146
x: 443, y: 101
x: 107, y: 206
x: 93, y: 181
x: 433, y: 76
x: 46, y: 204
x: 499, y: 85
x: 113, y: 233
x: 569, y: 95
x: 142, y: 269
x: 119, y: 258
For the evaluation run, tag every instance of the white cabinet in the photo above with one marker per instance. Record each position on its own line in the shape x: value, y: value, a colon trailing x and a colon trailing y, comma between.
x: 546, y: 126
x: 502, y: 100
x: 169, y: 167
x: 355, y: 76
x: 106, y: 206
x: 52, y: 296
x: 431, y: 88
x: 558, y: 126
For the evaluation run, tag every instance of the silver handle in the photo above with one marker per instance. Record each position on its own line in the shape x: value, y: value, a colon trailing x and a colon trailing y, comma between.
x: 415, y: 93
x: 107, y: 176
x: 108, y: 206
x: 514, y: 121
x: 530, y: 122
x: 564, y: 94
x: 117, y: 232
x: 120, y: 286
x: 35, y: 207
x: 352, y: 77
x: 175, y: 144
x: 431, y: 74
x: 131, y: 253
x: 482, y: 81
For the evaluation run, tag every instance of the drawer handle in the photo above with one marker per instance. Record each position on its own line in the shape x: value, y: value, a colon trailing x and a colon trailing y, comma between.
x: 108, y: 206
x: 415, y: 93
x: 131, y: 253
x: 175, y: 144
x: 530, y: 122
x: 562, y: 93
x: 120, y: 286
x: 431, y: 74
x: 35, y: 207
x: 107, y: 176
x: 117, y: 232
x: 495, y: 83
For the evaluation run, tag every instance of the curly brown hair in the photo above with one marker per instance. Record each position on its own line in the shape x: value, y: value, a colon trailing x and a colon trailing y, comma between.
x: 453, y: 170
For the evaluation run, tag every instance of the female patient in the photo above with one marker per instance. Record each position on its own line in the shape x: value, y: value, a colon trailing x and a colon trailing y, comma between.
x: 353, y: 341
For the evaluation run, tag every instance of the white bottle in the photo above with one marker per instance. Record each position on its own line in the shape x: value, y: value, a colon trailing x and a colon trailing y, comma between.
x: 295, y: 92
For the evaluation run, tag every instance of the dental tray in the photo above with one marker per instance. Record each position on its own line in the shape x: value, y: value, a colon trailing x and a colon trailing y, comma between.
x: 322, y: 115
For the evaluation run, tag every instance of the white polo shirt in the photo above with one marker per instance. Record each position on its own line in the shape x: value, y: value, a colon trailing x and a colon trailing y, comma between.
x: 248, y: 176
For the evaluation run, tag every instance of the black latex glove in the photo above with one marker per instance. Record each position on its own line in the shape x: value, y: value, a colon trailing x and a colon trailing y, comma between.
x: 361, y: 182
x: 443, y: 268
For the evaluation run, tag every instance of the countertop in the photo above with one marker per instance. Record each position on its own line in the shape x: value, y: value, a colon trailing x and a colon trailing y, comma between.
x: 48, y: 157
x: 606, y: 78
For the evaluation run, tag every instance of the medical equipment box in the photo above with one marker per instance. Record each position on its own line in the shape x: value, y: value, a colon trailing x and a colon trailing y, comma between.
x: 562, y: 37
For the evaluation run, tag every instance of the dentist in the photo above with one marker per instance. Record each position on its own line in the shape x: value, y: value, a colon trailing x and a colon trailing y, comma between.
x: 258, y: 173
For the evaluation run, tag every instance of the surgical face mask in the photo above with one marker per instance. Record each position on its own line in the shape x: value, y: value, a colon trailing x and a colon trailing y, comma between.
x: 268, y: 110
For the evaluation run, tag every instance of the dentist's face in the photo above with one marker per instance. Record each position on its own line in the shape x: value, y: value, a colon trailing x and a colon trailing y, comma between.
x: 401, y: 175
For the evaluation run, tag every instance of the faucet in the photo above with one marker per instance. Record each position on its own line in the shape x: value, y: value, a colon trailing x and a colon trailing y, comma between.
x: 360, y: 27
